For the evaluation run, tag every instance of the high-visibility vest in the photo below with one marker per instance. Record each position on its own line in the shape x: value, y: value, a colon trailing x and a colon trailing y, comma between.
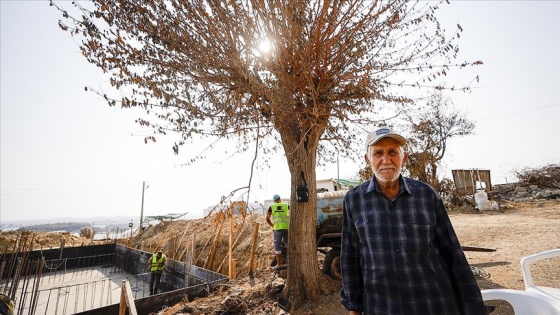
x: 280, y: 216
x: 158, y: 264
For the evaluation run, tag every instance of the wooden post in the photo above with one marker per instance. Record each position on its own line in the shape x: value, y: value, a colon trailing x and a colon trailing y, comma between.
x: 473, y: 181
x: 188, y: 265
x: 193, y: 248
x: 122, y: 305
x: 230, y: 242
x: 254, y: 247
x: 209, y: 263
x: 109, y: 295
x: 62, y: 242
x: 127, y: 300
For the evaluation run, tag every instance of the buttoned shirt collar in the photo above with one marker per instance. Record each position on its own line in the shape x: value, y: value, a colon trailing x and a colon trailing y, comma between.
x: 403, y: 186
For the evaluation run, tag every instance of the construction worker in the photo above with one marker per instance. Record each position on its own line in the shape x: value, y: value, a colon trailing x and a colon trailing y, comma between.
x: 279, y: 212
x: 156, y: 264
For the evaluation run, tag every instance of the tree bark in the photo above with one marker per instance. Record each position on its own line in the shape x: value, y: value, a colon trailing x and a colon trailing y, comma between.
x: 303, y: 270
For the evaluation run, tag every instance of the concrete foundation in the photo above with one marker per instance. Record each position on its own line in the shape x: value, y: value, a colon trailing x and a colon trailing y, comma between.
x: 88, y: 279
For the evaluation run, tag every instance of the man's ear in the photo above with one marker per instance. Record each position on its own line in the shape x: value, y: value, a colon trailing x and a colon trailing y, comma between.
x: 366, y: 158
x: 405, y: 158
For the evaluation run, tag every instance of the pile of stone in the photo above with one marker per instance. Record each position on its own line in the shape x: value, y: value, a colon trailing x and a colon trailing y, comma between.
x: 534, y: 184
x: 538, y: 183
x: 523, y: 192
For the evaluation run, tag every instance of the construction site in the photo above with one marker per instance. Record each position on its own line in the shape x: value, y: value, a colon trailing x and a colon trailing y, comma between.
x: 73, y: 276
x: 89, y: 279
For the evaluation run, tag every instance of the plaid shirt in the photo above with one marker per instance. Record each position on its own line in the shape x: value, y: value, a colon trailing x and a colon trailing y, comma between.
x: 402, y: 256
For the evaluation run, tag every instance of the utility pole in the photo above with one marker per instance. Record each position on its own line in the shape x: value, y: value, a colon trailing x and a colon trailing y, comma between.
x: 337, y: 174
x: 142, y: 208
x: 337, y: 169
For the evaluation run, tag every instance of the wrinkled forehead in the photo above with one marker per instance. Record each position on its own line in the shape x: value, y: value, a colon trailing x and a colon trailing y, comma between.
x: 386, y: 143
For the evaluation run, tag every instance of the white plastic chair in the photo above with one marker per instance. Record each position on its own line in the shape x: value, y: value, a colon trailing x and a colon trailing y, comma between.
x: 524, y: 302
x: 530, y: 286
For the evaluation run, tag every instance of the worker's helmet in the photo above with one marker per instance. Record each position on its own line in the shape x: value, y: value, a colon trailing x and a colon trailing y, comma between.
x: 276, y: 197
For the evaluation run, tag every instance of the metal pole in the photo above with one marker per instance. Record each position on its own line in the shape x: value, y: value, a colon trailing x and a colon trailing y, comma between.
x: 337, y: 169
x: 337, y: 174
x: 130, y: 238
x: 142, y: 208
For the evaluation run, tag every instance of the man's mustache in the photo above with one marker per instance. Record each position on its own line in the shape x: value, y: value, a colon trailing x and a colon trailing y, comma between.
x: 387, y: 167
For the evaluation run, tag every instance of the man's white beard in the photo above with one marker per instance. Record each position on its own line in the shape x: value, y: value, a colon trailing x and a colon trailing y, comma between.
x: 385, y: 182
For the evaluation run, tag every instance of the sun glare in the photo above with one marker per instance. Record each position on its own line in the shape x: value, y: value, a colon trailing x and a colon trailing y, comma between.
x: 265, y: 46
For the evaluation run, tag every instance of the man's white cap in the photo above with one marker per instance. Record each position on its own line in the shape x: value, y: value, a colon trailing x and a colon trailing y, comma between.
x: 374, y: 136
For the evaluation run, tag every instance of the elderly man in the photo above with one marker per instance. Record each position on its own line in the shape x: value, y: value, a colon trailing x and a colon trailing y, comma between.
x: 400, y: 254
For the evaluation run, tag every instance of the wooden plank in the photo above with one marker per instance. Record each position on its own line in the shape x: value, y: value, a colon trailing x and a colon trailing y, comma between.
x: 210, y: 262
x: 122, y: 305
x: 231, y: 272
x: 127, y: 300
x: 130, y: 299
x: 254, y: 247
x: 477, y: 249
x: 193, y: 248
x: 174, y: 309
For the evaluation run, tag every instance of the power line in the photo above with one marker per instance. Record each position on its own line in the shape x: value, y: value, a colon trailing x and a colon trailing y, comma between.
x: 521, y: 112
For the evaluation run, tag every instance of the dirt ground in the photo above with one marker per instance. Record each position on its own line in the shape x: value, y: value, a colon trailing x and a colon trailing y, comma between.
x: 515, y: 231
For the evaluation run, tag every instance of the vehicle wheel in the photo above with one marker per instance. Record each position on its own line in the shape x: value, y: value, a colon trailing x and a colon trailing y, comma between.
x: 331, y: 266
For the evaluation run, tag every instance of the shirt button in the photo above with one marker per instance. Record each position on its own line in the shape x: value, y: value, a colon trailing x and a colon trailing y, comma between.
x: 394, y: 225
x: 397, y: 250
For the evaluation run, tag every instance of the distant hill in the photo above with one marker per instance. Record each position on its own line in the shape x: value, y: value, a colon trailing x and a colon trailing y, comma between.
x: 72, y: 227
x: 69, y: 224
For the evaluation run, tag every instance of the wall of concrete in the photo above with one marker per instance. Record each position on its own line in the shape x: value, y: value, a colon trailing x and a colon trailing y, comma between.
x: 177, y: 274
x: 75, y: 257
x: 155, y: 303
x: 179, y: 281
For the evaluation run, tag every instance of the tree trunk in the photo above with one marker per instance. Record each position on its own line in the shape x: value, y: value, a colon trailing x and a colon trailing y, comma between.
x: 303, y: 270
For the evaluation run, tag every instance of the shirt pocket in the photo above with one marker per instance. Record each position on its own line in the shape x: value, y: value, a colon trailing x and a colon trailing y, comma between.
x: 417, y: 239
x: 374, y: 238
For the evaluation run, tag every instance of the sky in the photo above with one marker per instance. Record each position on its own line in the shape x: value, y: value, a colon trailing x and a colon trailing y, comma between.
x: 64, y: 153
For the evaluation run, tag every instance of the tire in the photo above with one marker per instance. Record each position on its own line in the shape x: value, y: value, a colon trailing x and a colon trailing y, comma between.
x: 331, y: 265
